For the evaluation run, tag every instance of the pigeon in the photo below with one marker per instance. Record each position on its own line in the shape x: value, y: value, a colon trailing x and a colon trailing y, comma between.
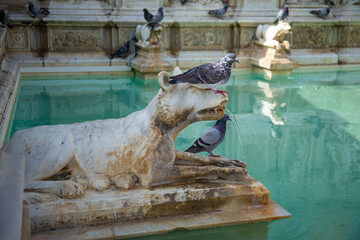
x: 208, y: 75
x: 282, y: 14
x: 36, y: 11
x: 183, y: 1
x: 219, y: 12
x: 5, y: 19
x: 151, y: 19
x: 321, y: 13
x: 147, y: 15
x: 211, y: 138
x: 121, y: 51
x: 329, y: 2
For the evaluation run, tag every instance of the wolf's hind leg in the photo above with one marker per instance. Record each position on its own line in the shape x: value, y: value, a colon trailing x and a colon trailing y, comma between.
x: 66, y: 189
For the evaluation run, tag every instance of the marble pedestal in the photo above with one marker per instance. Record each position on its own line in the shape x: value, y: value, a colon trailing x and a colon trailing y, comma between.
x: 149, y: 62
x: 270, y: 58
x: 121, y: 214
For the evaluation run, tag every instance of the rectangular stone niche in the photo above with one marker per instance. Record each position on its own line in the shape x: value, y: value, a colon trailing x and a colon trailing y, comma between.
x: 124, y: 214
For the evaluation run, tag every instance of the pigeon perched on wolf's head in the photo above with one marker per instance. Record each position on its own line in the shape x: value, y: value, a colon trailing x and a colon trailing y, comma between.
x: 211, y: 138
x: 122, y: 51
x: 282, y: 14
x: 208, y: 75
x: 219, y: 12
x: 5, y: 19
x: 36, y: 11
x: 153, y: 20
x: 322, y: 12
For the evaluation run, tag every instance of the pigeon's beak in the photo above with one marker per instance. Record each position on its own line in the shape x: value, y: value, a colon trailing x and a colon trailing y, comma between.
x: 236, y: 60
x: 230, y: 119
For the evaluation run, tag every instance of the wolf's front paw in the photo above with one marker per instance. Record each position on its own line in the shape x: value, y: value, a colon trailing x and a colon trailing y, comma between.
x: 99, y: 183
x: 70, y: 189
x: 125, y: 180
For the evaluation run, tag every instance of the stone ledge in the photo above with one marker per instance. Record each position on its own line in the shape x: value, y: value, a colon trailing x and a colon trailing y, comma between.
x: 163, y: 225
x: 120, y: 214
x: 115, y: 206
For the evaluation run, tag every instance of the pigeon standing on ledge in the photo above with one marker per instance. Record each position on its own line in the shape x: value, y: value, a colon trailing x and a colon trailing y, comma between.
x: 211, y: 138
x: 36, y: 11
x: 219, y: 12
x: 151, y: 19
x: 208, y: 75
x: 5, y: 19
x: 282, y: 14
x: 322, y: 12
x: 121, y: 51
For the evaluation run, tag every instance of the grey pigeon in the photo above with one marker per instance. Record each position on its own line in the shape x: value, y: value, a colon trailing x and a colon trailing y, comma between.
x: 211, y: 138
x: 282, y: 14
x: 122, y: 51
x: 153, y: 20
x: 147, y: 15
x: 35, y: 11
x: 219, y: 12
x: 5, y: 19
x: 208, y: 75
x: 321, y: 13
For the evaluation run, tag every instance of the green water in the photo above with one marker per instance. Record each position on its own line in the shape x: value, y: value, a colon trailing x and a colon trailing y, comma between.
x: 301, y: 137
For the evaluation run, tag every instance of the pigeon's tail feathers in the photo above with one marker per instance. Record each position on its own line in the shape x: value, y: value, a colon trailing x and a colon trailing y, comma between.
x: 45, y: 11
x: 213, y: 12
x: 174, y: 81
x: 315, y: 12
x: 192, y: 149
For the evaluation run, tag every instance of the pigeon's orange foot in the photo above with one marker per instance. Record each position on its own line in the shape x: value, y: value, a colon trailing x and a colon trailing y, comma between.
x: 212, y: 155
x: 222, y: 92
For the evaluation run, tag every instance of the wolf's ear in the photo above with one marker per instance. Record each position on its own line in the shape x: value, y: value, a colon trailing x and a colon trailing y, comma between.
x: 164, y: 78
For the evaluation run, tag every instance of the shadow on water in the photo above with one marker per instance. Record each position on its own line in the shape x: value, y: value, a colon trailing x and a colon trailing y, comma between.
x: 301, y: 136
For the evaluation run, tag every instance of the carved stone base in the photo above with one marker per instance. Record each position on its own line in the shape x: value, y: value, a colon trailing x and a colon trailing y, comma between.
x: 270, y: 58
x: 119, y: 214
x: 149, y: 62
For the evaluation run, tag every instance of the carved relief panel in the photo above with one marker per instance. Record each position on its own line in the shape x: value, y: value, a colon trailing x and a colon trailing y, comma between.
x: 246, y: 35
x: 349, y: 36
x: 311, y: 37
x: 204, y: 38
x: 74, y: 39
x: 17, y: 39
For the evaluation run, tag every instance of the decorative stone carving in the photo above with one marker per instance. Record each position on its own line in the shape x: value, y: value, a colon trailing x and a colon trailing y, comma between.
x: 143, y: 35
x: 137, y: 149
x: 17, y: 38
x: 246, y: 36
x: 311, y: 37
x: 269, y: 49
x: 272, y: 35
x: 203, y: 38
x: 76, y: 39
x: 349, y: 36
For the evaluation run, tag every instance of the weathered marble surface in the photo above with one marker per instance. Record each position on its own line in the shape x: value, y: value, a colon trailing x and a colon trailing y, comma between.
x: 132, y: 213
